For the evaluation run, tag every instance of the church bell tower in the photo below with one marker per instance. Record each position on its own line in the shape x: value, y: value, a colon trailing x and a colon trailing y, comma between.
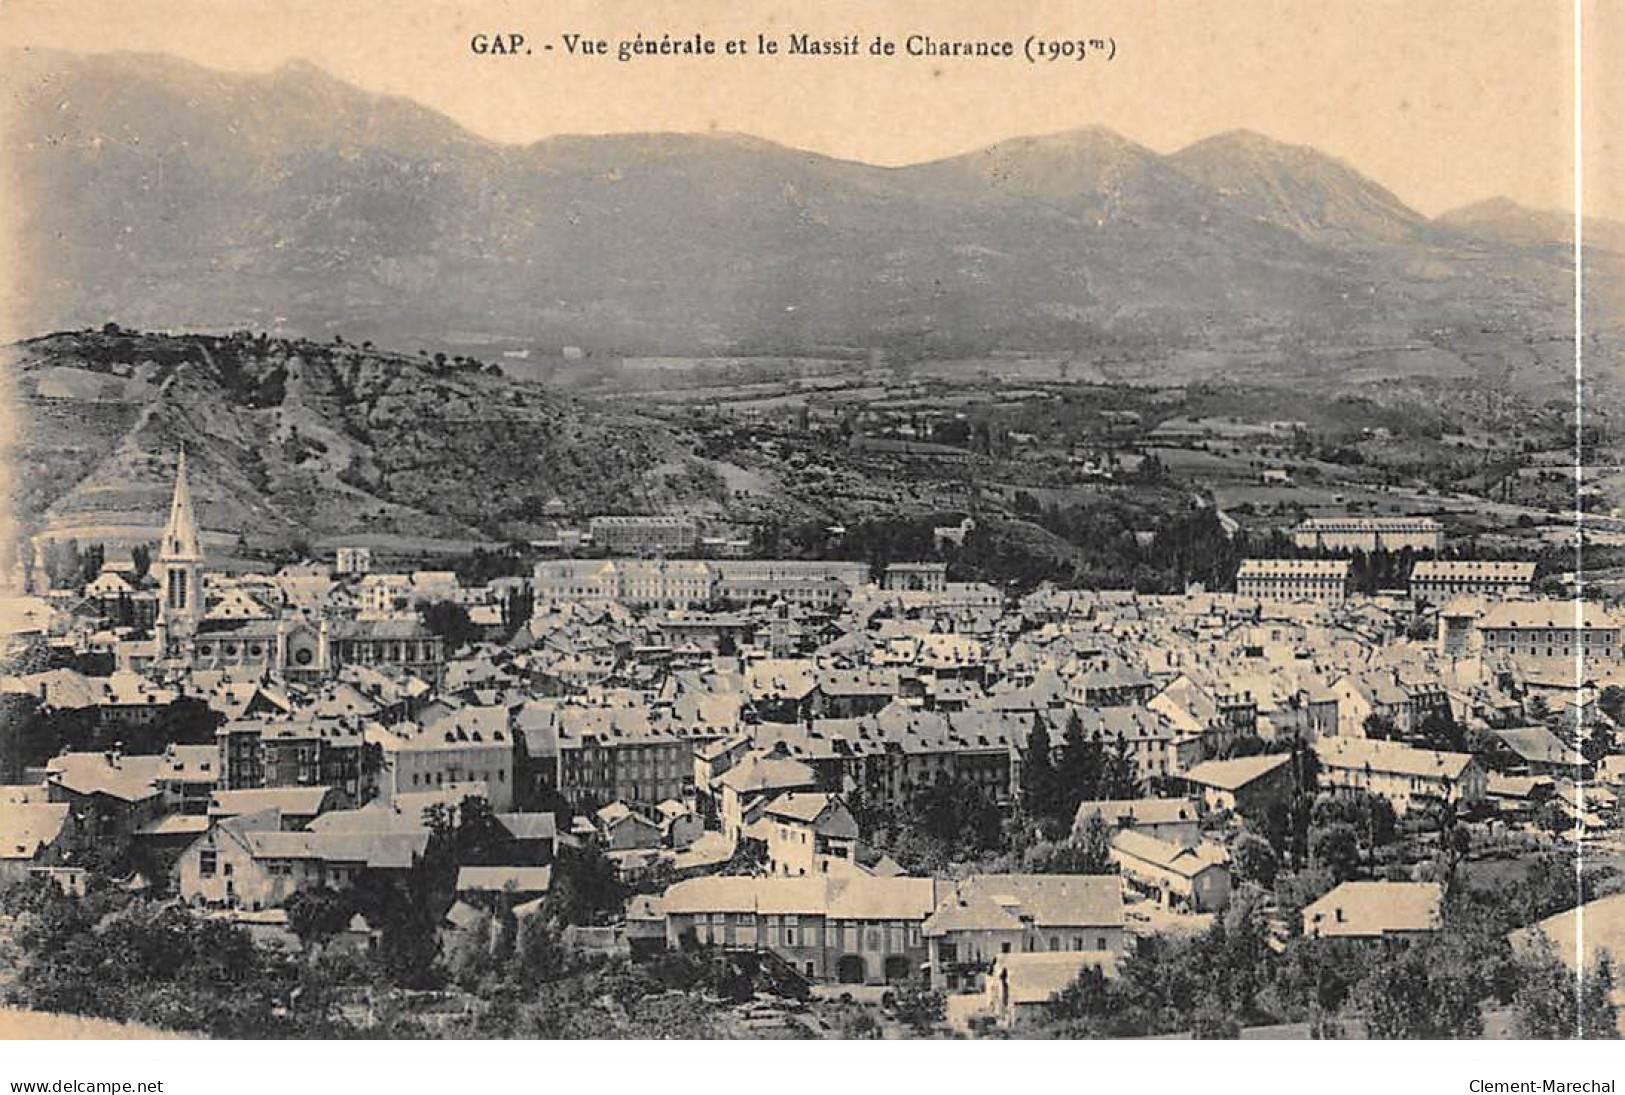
x: 180, y: 562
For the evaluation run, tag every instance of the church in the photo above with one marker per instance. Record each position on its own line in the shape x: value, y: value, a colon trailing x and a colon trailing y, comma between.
x: 239, y: 636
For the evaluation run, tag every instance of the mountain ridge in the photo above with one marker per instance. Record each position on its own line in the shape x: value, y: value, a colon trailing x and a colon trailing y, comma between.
x: 293, y: 202
x: 289, y: 438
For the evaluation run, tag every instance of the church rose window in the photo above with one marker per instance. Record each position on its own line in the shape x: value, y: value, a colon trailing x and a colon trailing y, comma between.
x: 303, y: 657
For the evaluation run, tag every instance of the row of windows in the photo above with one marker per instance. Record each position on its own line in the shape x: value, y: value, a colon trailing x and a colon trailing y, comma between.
x: 440, y: 778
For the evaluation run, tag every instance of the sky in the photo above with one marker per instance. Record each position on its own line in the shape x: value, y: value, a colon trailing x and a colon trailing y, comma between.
x: 1444, y: 102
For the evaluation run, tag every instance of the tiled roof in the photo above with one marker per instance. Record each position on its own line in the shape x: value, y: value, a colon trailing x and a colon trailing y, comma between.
x: 1231, y: 775
x: 1374, y: 908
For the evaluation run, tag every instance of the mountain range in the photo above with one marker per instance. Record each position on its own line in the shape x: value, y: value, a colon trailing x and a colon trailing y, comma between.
x: 162, y: 195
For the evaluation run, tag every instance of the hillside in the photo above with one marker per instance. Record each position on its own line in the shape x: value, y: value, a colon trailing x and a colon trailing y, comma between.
x: 163, y: 195
x: 292, y: 439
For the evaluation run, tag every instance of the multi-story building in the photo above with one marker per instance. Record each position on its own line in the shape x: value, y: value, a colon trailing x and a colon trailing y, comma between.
x: 916, y: 577
x: 400, y: 644
x: 353, y: 560
x: 643, y: 535
x: 692, y: 583
x: 855, y: 929
x: 1195, y: 877
x: 1537, y: 630
x: 464, y: 745
x: 111, y: 795
x: 1369, y: 534
x: 813, y: 583
x: 983, y: 917
x: 811, y: 833
x: 1405, y: 776
x: 885, y: 759
x: 1293, y: 579
x: 303, y: 751
x: 1438, y: 581
x: 386, y: 594
x: 250, y: 862
x: 634, y: 755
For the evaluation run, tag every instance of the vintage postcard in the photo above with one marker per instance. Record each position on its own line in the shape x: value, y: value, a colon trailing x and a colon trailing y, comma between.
x: 905, y: 521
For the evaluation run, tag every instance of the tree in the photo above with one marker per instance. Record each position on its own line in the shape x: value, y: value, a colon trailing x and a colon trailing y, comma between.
x: 90, y: 563
x: 1078, y: 773
x: 450, y: 621
x: 1336, y: 848
x: 1598, y: 744
x: 1412, y: 991
x: 1089, y: 852
x: 1553, y: 818
x: 479, y: 838
x: 1087, y: 997
x: 921, y: 1010
x: 316, y: 915
x: 1440, y: 731
x: 1612, y: 702
x: 1119, y: 774
x: 1381, y: 725
x: 517, y: 609
x: 586, y: 887
x: 538, y: 952
x: 1254, y: 860
x: 141, y: 556
x: 1038, y: 787
x: 1552, y: 1003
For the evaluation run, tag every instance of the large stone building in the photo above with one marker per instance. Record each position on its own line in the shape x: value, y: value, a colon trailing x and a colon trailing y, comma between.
x: 1369, y: 534
x: 643, y: 535
x: 1293, y: 579
x: 1536, y: 630
x: 662, y: 584
x: 304, y: 751
x: 851, y: 929
x: 1438, y: 581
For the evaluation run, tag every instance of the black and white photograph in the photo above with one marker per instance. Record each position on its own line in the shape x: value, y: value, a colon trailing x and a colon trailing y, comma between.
x: 1047, y: 522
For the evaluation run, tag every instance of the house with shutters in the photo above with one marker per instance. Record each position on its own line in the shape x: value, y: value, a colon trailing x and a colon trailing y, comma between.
x: 810, y: 833
x: 981, y: 918
x: 1184, y: 876
x: 853, y: 930
x: 1407, y: 777
x: 251, y: 862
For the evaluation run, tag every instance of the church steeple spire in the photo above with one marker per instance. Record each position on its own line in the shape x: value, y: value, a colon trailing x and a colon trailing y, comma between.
x: 180, y: 561
x: 181, y: 541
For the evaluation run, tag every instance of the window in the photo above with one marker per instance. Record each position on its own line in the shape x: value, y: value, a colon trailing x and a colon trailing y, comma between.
x: 206, y: 861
